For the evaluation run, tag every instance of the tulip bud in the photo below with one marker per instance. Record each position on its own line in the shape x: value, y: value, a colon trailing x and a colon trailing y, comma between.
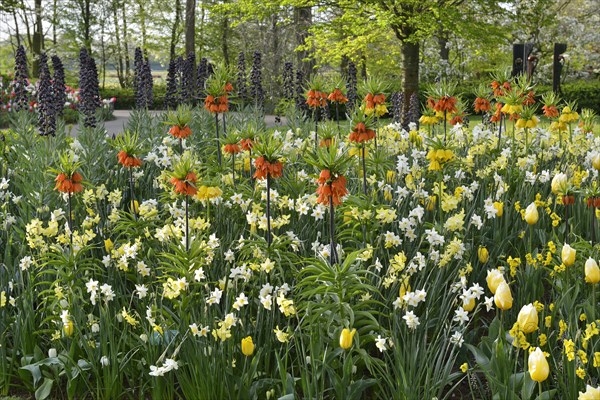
x: 503, y: 298
x: 528, y: 318
x: 483, y: 254
x: 538, y: 366
x: 568, y: 255
x: 247, y: 346
x: 493, y: 279
x: 592, y: 272
x: 346, y: 338
x: 531, y: 214
x: 68, y: 328
x: 596, y: 162
x: 559, y: 184
x: 468, y: 304
x: 108, y: 245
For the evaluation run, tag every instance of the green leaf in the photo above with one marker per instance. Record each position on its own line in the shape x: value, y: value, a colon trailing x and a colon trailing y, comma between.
x: 528, y: 387
x: 44, y: 390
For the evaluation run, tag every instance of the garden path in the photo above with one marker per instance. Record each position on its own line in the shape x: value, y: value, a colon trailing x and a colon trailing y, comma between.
x: 117, y: 125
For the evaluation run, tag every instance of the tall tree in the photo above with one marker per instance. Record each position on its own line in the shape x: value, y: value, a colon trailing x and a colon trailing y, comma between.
x: 190, y: 26
x: 38, y: 38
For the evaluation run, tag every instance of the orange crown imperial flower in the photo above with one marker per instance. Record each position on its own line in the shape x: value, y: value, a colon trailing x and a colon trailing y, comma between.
x: 482, y: 105
x: 550, y: 111
x: 180, y: 132
x: 360, y: 133
x: 247, y: 144
x: 185, y: 186
x: 446, y: 103
x: 232, y: 148
x: 316, y: 98
x: 265, y: 168
x: 333, y: 188
x: 216, y: 105
x: 337, y: 96
x: 127, y: 160
x: 66, y: 184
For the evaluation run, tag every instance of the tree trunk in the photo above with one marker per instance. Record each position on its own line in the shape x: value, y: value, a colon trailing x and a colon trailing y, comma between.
x: 120, y: 75
x: 410, y: 65
x: 38, y: 38
x: 174, y: 29
x: 225, y: 43
x: 275, y: 44
x: 54, y: 23
x: 302, y: 22
x: 143, y: 26
x: 190, y: 26
x: 86, y: 18
x: 125, y: 44
x: 14, y: 13
x: 444, y: 50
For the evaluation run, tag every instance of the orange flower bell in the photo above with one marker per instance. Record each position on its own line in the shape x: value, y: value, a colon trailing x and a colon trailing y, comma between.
x: 66, y: 184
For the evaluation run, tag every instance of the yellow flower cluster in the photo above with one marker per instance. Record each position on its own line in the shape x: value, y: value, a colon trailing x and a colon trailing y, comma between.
x: 527, y: 123
x: 438, y: 157
x: 568, y: 116
x: 208, y: 193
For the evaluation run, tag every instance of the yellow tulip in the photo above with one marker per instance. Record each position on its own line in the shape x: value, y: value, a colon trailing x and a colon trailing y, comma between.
x: 559, y: 184
x: 591, y: 393
x: 503, y: 297
x: 483, y: 254
x: 531, y: 214
x: 499, y: 206
x: 68, y: 328
x: 538, y: 366
x: 592, y: 272
x: 247, y: 346
x: 528, y: 318
x: 108, y: 245
x: 346, y: 338
x: 568, y: 255
x: 494, y: 279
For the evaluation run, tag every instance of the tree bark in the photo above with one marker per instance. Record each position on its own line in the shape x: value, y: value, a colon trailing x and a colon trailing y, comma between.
x: 224, y: 40
x: 38, y: 38
x: 86, y: 19
x: 190, y: 26
x: 174, y: 29
x: 302, y: 22
x: 410, y: 64
x: 125, y: 43
x: 120, y: 75
x: 143, y: 25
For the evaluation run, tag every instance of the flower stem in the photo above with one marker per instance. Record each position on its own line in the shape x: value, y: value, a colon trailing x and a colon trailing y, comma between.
x: 218, y: 144
x: 70, y: 220
x: 268, y: 210
x: 131, y: 192
x: 337, y: 117
x: 224, y: 125
x: 187, y: 223
x: 316, y: 116
x: 333, y: 252
x: 364, y: 167
x: 233, y: 167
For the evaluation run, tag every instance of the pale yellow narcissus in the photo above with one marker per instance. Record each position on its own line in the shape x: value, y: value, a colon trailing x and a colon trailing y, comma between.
x: 592, y: 272
x: 247, y: 346
x: 469, y: 304
x: 538, y: 366
x: 346, y: 338
x: 483, y: 254
x: 494, y: 279
x: 528, y: 318
x: 531, y: 214
x: 568, y: 255
x: 108, y: 245
x: 503, y: 297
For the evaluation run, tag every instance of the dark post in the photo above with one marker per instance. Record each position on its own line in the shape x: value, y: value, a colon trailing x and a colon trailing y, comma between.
x: 557, y: 65
x: 518, y: 57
